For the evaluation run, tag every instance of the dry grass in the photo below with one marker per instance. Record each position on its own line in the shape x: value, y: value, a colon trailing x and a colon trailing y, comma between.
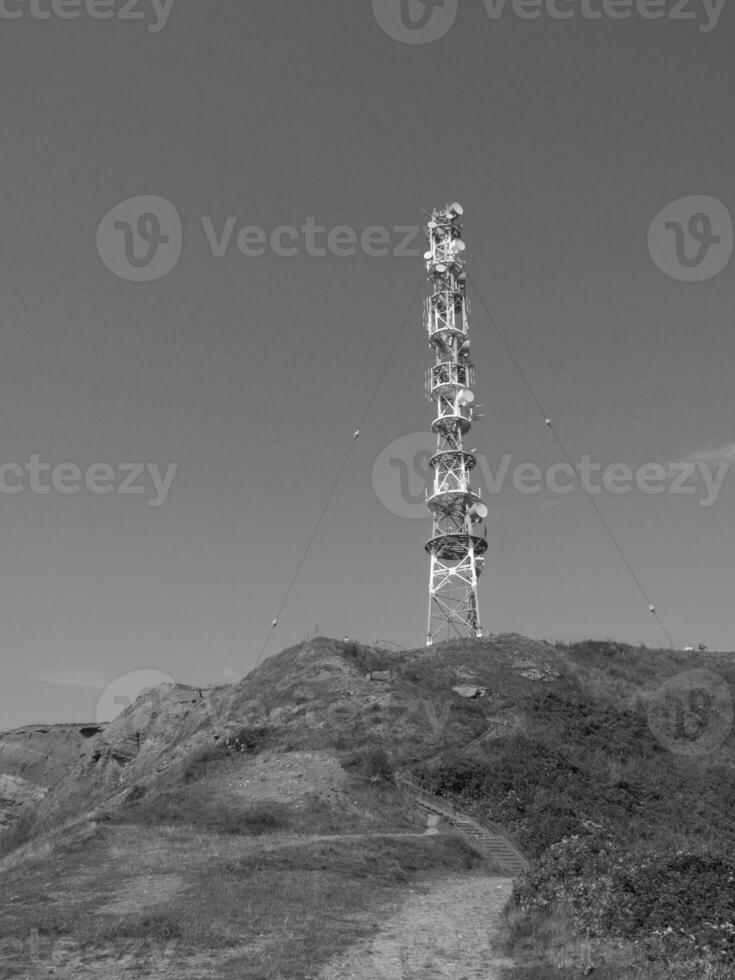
x: 269, y: 907
x: 204, y: 875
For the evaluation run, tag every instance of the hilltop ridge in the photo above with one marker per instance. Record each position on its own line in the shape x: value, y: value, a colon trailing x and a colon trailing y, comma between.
x: 602, y: 763
x: 326, y: 692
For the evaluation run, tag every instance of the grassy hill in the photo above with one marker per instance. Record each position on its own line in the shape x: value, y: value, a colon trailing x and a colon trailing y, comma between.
x: 256, y: 830
x: 619, y: 785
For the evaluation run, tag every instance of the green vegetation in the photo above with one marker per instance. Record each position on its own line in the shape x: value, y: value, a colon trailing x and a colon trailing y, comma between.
x: 633, y: 846
x: 18, y: 834
x: 261, y: 914
x: 367, y: 658
x: 245, y: 740
x: 202, y: 810
x: 372, y: 763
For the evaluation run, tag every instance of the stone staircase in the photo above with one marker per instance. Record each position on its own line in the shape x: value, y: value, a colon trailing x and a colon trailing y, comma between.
x: 487, y: 838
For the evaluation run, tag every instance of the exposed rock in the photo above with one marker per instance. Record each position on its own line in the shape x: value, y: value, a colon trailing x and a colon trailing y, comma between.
x: 534, y: 674
x: 310, y: 696
x: 469, y: 691
x: 33, y: 759
x: 15, y: 792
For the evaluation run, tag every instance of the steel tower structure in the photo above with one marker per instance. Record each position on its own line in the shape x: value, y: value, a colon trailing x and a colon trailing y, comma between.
x: 458, y: 541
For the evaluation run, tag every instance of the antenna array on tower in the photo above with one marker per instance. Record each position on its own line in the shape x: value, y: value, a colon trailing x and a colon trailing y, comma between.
x: 458, y: 542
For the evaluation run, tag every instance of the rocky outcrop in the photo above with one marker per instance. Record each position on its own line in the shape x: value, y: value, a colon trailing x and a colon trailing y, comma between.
x: 314, y: 695
x: 35, y: 758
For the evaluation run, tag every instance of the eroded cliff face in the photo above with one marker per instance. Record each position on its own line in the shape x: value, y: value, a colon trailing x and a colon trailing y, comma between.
x: 158, y: 729
x: 36, y: 757
x: 315, y: 695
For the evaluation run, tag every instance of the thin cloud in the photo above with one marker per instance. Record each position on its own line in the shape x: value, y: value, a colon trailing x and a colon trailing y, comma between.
x: 89, y: 677
x: 554, y: 502
x: 723, y: 454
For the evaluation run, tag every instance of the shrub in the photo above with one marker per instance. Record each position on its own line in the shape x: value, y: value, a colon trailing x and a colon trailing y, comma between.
x: 198, y: 763
x: 244, y: 740
x: 248, y: 740
x: 670, y: 904
x: 372, y: 762
x: 135, y: 793
x: 200, y: 810
x: 18, y: 833
x: 366, y: 658
x: 263, y: 818
x: 633, y: 844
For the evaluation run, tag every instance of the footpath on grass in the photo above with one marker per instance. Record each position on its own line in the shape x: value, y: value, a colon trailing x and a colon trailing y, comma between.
x: 445, y: 931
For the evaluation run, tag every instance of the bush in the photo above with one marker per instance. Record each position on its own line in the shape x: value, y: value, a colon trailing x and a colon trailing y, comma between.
x: 248, y: 740
x: 198, y: 763
x: 18, y: 833
x: 366, y: 658
x: 633, y: 844
x: 135, y: 793
x: 244, y: 740
x: 371, y: 762
x: 670, y: 905
x: 262, y: 819
x: 184, y: 807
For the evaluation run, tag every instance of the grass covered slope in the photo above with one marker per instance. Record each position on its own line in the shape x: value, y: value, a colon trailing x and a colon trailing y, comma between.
x: 222, y: 837
x: 239, y: 865
x: 619, y: 783
x: 225, y: 824
x: 152, y: 902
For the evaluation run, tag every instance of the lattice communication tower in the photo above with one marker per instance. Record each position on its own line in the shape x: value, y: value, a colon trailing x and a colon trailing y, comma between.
x: 459, y: 535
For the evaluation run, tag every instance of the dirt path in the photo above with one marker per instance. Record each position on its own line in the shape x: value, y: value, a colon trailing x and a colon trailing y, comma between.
x: 444, y: 932
x: 298, y: 840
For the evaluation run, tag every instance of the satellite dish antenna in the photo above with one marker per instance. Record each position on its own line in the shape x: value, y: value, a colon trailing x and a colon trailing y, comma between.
x: 440, y: 268
x: 478, y: 512
x: 466, y: 397
x: 458, y: 245
x: 428, y: 255
x: 457, y: 209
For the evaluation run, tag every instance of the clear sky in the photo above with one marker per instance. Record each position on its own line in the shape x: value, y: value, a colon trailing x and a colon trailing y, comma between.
x: 562, y: 139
